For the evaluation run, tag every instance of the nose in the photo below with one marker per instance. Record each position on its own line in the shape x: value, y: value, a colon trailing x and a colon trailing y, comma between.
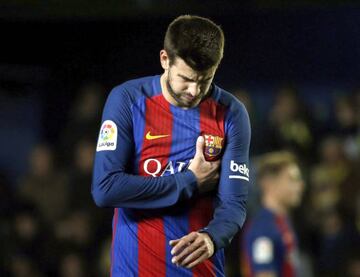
x: 194, y: 89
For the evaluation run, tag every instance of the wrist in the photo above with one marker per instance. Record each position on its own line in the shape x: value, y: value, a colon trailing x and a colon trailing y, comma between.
x: 205, y: 232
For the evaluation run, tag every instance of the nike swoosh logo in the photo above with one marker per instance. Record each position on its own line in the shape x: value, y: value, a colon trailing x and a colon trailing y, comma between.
x: 150, y: 137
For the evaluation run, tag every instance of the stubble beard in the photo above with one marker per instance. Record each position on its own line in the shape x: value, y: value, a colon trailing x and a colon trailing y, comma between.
x: 177, y: 96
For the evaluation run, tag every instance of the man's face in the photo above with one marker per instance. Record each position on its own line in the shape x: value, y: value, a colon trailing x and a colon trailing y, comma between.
x: 289, y: 186
x: 186, y: 85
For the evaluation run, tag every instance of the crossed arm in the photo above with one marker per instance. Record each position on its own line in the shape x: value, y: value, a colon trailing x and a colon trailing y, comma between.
x: 113, y: 187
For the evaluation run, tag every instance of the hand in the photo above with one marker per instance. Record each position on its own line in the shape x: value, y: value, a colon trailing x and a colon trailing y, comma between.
x: 207, y: 173
x: 191, y: 249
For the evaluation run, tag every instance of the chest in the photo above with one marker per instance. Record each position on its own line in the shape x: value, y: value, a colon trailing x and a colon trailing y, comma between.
x: 165, y: 136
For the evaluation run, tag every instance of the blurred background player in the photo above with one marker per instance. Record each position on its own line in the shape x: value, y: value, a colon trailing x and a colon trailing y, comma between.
x: 269, y: 242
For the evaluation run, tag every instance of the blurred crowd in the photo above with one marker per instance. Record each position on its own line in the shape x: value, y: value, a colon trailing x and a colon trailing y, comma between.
x: 50, y: 225
x: 328, y: 148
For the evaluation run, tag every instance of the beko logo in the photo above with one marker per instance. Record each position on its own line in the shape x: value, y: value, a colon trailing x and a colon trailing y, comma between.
x: 241, y: 169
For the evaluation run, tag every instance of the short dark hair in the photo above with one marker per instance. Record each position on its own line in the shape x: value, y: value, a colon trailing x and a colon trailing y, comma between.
x: 196, y: 40
x: 273, y: 163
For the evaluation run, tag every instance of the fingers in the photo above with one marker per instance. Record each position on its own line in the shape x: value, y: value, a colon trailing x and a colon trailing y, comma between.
x: 174, y: 242
x: 195, y: 254
x: 205, y: 251
x: 183, y: 242
x: 192, y: 249
x: 187, y: 250
x: 200, y: 147
x: 199, y: 260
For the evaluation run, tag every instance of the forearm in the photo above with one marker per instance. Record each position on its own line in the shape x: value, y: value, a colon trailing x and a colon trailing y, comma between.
x: 228, y: 219
x: 120, y: 189
x: 230, y: 214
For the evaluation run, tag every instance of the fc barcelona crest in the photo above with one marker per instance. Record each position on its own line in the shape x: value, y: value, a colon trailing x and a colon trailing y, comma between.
x: 213, y: 147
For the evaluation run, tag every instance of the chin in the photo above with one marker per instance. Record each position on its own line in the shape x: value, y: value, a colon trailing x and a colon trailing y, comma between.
x: 187, y: 104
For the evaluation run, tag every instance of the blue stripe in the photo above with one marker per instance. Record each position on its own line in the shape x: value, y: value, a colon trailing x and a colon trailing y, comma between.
x: 114, y: 245
x: 138, y: 111
x: 156, y: 85
x: 125, y: 262
x: 176, y: 221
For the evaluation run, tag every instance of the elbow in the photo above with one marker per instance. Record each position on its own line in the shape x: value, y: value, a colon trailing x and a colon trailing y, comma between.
x: 100, y: 197
x: 104, y: 193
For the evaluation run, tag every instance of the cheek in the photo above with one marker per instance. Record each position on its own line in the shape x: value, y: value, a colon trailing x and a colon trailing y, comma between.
x: 295, y: 191
x: 286, y: 192
x: 179, y: 86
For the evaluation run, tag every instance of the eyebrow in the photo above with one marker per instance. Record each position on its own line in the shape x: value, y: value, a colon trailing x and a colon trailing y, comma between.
x: 192, y: 80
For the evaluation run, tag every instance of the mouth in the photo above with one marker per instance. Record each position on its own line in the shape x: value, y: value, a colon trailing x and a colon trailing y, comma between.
x: 189, y: 97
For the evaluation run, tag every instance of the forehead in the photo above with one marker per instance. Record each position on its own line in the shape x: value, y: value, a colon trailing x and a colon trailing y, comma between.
x: 182, y: 68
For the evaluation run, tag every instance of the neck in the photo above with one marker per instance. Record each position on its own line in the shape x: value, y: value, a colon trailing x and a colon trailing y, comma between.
x: 273, y: 205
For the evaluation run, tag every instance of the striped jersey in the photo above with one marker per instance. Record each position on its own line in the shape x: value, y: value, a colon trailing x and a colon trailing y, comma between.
x: 270, y: 244
x: 143, y: 151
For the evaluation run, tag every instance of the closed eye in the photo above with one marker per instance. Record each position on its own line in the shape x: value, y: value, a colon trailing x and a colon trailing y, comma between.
x: 187, y: 79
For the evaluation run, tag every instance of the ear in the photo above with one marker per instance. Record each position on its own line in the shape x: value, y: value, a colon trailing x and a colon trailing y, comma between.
x: 164, y: 59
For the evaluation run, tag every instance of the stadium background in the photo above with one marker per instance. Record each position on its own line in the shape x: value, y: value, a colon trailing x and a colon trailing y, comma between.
x: 295, y: 66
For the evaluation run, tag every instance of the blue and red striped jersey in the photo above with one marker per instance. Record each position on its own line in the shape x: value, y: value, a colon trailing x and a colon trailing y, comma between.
x: 269, y: 245
x: 144, y: 148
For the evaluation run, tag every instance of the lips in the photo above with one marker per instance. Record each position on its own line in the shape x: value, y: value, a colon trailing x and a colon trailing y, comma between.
x: 189, y: 97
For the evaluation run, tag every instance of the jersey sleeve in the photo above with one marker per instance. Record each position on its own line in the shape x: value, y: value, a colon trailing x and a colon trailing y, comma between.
x: 113, y: 183
x: 230, y: 213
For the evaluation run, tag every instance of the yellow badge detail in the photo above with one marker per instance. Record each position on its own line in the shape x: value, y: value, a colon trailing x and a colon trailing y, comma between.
x: 150, y: 137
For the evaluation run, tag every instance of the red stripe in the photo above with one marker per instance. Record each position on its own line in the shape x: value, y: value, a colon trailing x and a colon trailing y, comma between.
x: 246, y: 269
x: 211, y: 123
x: 289, y: 242
x: 245, y: 261
x: 116, y: 212
x: 212, y: 117
x: 151, y: 233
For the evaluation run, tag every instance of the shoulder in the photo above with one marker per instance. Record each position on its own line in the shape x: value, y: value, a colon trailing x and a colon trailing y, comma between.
x: 132, y: 90
x: 228, y: 100
x: 236, y: 115
x: 235, y: 111
x: 262, y: 240
x: 122, y: 97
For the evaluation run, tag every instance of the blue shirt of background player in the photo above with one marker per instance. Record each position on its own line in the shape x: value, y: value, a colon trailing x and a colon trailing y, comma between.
x: 270, y: 245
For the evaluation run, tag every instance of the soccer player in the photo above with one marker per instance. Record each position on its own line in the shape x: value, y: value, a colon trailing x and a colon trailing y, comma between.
x: 172, y: 160
x: 269, y: 242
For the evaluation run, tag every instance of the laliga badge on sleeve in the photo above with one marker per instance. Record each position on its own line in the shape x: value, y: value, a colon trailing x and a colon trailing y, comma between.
x: 107, y: 137
x: 263, y: 252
